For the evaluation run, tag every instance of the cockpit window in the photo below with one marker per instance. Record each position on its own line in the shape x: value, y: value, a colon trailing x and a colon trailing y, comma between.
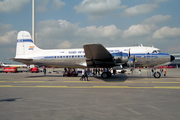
x: 156, y: 51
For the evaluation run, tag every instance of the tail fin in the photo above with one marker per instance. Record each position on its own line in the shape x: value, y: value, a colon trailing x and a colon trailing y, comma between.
x: 25, y: 45
x: 1, y: 63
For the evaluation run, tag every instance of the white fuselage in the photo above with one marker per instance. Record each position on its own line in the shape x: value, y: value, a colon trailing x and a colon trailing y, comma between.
x: 75, y: 58
x: 27, y: 52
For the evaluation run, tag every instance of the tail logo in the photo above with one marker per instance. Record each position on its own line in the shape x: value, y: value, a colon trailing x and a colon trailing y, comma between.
x: 31, y: 47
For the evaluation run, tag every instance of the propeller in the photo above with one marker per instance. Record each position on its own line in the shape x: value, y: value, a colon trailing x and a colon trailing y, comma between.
x: 133, y: 58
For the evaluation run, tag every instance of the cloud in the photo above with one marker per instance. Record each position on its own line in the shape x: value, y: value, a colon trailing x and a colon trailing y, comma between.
x: 158, y: 1
x: 52, y: 33
x: 166, y: 32
x: 7, y: 35
x: 139, y: 30
x: 98, y: 8
x: 139, y: 9
x: 65, y: 44
x: 99, y: 32
x: 12, y: 5
x: 42, y: 5
x: 57, y: 4
x: 4, y: 28
x: 157, y: 19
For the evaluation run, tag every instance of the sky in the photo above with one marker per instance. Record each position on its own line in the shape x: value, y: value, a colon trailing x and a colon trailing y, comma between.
x: 68, y: 24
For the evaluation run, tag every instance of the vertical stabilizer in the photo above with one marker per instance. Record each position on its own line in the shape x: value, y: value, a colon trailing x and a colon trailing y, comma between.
x: 25, y: 45
x: 1, y: 63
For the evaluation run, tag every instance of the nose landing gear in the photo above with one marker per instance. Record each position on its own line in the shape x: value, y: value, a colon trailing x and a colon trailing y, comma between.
x: 157, y: 75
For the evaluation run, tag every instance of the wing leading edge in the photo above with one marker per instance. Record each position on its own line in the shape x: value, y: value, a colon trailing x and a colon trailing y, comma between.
x: 98, y: 56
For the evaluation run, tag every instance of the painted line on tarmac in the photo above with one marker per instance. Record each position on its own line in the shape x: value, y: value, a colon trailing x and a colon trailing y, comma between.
x: 86, y: 82
x: 120, y: 87
x: 23, y: 81
x: 7, y: 78
x: 34, y: 78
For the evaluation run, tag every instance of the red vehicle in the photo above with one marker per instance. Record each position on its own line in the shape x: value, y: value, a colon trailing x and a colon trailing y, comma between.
x: 73, y: 73
x: 34, y: 69
x: 10, y: 69
x: 166, y: 67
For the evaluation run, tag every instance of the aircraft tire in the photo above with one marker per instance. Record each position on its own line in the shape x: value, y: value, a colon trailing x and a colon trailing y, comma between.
x: 109, y: 74
x: 104, y: 75
x: 157, y: 75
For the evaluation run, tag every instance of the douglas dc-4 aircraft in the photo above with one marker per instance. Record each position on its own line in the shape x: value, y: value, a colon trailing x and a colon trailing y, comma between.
x: 92, y: 56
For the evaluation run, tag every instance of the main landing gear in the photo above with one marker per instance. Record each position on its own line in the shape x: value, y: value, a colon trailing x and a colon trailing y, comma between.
x: 105, y: 75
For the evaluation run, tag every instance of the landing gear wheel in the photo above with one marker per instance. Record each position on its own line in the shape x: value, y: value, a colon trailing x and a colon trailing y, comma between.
x: 104, y: 75
x: 109, y: 74
x: 157, y: 75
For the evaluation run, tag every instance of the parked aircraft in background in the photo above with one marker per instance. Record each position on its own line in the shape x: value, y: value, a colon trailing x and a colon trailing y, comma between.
x: 12, y: 65
x: 92, y: 56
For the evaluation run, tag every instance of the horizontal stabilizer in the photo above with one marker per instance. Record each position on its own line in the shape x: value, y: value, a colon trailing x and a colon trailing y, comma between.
x: 25, y: 61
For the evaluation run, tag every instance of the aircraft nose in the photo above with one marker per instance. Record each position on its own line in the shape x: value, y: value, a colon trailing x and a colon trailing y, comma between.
x: 172, y: 57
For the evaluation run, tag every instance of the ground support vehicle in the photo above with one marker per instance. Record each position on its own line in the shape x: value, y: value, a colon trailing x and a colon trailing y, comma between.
x: 10, y: 69
x: 34, y: 70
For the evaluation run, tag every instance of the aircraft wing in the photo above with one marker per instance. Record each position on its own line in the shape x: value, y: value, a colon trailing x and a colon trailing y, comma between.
x: 163, y: 64
x: 98, y: 56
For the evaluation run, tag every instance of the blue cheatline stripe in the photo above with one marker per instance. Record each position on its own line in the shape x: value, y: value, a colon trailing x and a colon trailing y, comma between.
x: 151, y: 54
x: 24, y: 40
x: 82, y: 56
x: 119, y: 54
x: 48, y: 57
x: 140, y: 54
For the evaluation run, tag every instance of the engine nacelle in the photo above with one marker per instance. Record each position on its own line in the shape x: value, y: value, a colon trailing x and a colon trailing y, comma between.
x: 130, y: 62
x: 120, y: 57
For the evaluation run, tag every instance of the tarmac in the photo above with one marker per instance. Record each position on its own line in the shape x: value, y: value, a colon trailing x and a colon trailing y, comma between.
x: 33, y: 96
